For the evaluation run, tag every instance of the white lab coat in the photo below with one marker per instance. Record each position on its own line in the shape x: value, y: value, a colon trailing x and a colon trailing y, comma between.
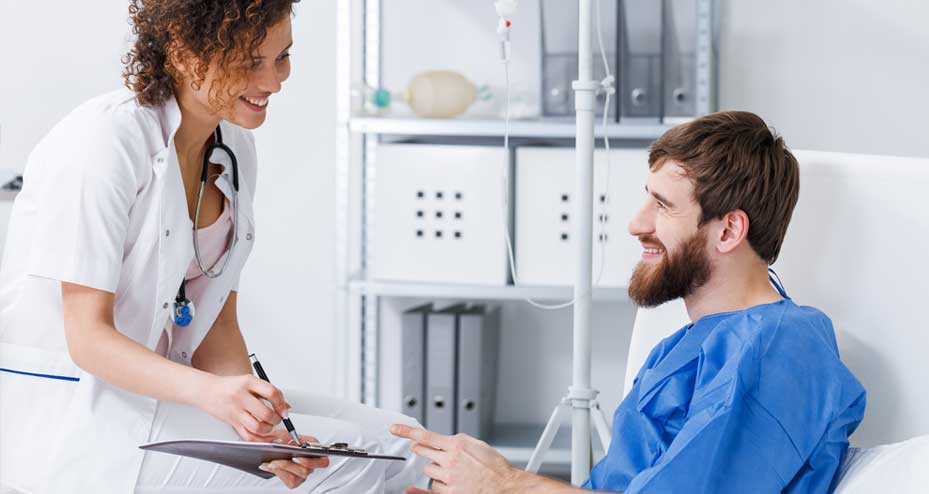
x: 103, y: 205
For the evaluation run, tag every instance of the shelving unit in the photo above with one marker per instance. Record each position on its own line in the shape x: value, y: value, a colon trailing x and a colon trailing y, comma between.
x: 358, y: 299
x: 478, y: 292
x: 555, y: 128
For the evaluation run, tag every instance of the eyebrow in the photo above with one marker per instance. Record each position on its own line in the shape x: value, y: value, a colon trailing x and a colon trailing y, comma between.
x: 282, y: 51
x: 660, y: 198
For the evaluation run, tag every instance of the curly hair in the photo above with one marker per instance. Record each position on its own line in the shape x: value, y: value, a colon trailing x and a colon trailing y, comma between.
x: 196, y: 32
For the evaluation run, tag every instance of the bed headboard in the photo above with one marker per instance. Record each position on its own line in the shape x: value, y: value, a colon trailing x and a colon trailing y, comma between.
x: 858, y: 249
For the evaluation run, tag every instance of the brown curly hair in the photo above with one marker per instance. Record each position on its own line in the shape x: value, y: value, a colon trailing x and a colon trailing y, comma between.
x: 197, y: 32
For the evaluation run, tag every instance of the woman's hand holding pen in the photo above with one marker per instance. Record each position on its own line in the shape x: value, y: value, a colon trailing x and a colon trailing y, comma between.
x: 237, y: 401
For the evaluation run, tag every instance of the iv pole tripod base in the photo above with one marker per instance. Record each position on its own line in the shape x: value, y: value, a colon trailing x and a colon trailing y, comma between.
x: 584, y: 399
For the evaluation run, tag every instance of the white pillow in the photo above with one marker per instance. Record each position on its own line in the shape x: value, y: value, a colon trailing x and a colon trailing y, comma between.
x: 899, y: 468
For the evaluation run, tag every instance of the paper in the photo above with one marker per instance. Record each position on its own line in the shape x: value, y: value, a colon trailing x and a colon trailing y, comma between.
x: 247, y: 456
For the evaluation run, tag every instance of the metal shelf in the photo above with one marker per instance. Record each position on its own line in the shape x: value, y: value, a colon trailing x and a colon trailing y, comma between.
x: 464, y: 127
x: 479, y: 292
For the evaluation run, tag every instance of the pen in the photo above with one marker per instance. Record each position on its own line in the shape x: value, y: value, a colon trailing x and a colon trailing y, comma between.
x: 261, y: 373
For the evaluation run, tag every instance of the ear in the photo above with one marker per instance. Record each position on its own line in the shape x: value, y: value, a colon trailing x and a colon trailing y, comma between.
x: 181, y: 62
x: 733, y: 232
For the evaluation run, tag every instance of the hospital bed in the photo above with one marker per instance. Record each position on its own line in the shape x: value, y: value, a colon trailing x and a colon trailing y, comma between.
x: 858, y: 249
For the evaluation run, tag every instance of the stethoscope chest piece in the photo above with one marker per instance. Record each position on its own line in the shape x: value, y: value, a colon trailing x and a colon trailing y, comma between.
x: 184, y: 312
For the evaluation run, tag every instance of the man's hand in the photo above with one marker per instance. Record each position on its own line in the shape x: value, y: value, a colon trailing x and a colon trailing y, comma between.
x: 460, y: 463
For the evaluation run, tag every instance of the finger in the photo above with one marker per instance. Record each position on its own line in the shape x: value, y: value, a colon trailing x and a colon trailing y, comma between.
x: 309, y: 439
x: 312, y: 463
x: 429, y: 438
x: 288, y: 478
x: 471, y: 444
x: 267, y: 391
x: 246, y: 435
x: 258, y: 429
x: 261, y: 412
x: 279, y: 435
x: 435, y: 472
x: 435, y: 455
x: 295, y: 468
x: 440, y: 487
x: 276, y: 436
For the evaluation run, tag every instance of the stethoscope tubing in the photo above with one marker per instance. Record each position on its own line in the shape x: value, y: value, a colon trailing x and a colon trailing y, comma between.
x: 184, y: 311
x: 217, y: 144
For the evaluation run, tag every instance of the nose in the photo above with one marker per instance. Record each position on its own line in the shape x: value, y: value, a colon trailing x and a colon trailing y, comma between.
x: 643, y: 222
x: 271, y: 78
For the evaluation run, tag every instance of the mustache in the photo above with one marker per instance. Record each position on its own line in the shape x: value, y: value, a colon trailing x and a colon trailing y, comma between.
x: 650, y: 240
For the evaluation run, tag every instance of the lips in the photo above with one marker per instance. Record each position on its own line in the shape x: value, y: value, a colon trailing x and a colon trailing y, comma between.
x: 255, y: 103
x: 651, y: 246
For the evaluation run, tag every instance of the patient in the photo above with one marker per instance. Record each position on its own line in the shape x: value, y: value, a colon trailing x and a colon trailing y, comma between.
x: 751, y: 397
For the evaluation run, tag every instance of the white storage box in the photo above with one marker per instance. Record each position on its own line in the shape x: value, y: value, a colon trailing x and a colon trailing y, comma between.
x: 545, y: 208
x: 439, y: 214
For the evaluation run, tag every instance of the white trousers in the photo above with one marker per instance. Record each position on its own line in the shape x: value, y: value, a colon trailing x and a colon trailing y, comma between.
x: 326, y: 418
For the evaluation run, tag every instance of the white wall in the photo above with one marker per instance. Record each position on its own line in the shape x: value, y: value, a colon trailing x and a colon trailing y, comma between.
x: 50, y: 65
x: 287, y: 297
x: 53, y: 61
x: 831, y: 75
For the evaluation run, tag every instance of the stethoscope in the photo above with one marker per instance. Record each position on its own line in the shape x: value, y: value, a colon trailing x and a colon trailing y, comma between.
x: 184, y: 310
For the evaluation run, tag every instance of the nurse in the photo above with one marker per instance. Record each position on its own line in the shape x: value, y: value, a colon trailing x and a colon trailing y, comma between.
x: 751, y: 397
x: 97, y: 355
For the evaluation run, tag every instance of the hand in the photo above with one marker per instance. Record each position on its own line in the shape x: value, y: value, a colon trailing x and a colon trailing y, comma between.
x: 293, y: 472
x: 237, y: 401
x: 461, y: 464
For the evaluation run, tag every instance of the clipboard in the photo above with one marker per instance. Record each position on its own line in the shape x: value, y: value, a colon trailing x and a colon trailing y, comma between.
x: 246, y: 456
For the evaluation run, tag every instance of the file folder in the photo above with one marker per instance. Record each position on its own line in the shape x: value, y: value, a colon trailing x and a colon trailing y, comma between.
x: 441, y: 367
x: 413, y: 364
x: 478, y: 348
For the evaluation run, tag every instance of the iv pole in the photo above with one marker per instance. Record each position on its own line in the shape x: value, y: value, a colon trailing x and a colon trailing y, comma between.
x: 581, y: 398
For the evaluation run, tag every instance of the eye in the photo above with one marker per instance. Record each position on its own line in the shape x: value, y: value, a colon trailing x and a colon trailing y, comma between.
x: 661, y: 206
x: 283, y: 57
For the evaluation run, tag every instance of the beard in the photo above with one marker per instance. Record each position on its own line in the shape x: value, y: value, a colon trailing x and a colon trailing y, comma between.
x: 675, y: 276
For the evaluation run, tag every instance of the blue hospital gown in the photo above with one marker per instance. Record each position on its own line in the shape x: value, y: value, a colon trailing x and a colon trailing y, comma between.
x: 752, y: 401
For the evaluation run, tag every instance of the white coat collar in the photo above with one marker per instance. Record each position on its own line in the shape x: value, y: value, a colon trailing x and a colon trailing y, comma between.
x: 169, y: 116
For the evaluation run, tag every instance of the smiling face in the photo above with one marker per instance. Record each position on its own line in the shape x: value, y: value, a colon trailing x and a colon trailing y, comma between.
x: 675, y: 252
x: 244, y: 99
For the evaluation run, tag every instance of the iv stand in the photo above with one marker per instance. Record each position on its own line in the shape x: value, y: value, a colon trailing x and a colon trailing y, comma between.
x: 581, y: 400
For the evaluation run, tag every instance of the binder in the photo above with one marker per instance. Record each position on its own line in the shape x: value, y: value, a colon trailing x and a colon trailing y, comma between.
x: 413, y: 362
x: 441, y: 367
x: 478, y: 348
